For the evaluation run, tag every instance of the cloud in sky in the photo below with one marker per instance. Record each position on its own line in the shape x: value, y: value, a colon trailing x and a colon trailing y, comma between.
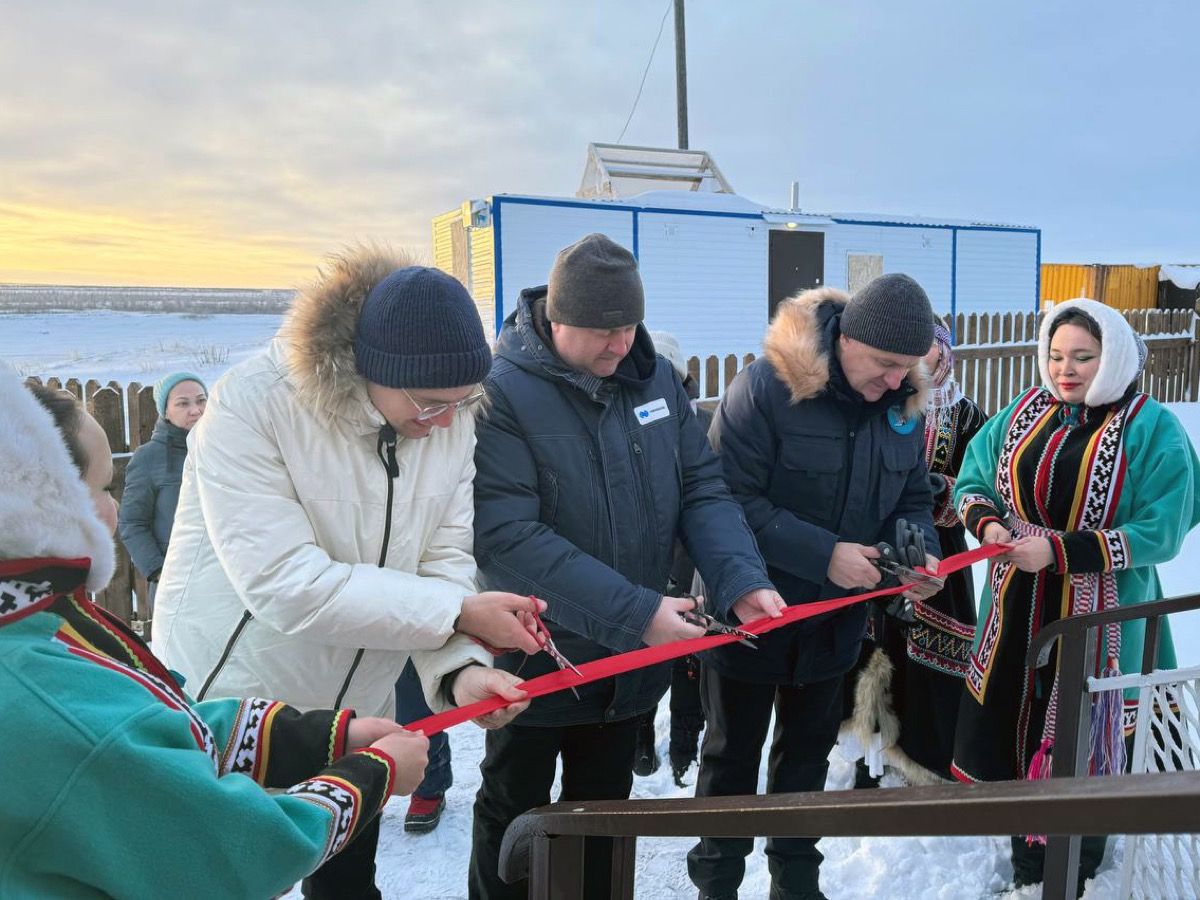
x: 233, y: 144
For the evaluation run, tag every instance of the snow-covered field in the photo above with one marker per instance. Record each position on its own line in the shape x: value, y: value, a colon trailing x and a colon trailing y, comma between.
x: 129, y: 346
x: 142, y: 347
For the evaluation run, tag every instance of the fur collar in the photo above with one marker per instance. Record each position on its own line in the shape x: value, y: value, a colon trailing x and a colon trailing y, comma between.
x: 793, y: 348
x: 45, y: 508
x: 318, y: 333
x: 1122, y: 352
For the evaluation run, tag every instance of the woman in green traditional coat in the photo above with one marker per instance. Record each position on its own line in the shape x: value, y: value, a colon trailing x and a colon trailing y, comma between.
x: 1093, y: 484
x: 116, y: 783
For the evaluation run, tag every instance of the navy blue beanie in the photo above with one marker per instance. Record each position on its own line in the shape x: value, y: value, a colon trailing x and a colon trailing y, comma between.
x: 419, y: 328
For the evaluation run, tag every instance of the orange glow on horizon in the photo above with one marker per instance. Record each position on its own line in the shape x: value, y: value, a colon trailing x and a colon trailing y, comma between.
x: 50, y: 245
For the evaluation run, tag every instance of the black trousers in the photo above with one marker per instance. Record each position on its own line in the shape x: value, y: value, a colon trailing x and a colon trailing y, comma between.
x: 351, y: 874
x: 687, y: 712
x: 518, y: 772
x: 806, y: 728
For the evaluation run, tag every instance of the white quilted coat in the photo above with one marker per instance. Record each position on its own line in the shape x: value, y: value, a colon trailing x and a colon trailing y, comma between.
x: 272, y: 585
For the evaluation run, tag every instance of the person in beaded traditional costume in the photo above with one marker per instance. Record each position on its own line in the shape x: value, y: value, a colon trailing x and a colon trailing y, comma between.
x: 1092, y: 483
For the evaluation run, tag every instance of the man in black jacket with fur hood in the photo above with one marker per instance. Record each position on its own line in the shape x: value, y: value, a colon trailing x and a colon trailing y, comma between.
x: 589, y: 464
x: 821, y: 442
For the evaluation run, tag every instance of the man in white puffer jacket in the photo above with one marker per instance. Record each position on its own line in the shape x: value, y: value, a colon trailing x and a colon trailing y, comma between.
x: 324, y: 527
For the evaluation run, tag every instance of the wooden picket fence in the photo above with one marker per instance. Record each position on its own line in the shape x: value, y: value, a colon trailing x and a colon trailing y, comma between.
x: 996, y: 357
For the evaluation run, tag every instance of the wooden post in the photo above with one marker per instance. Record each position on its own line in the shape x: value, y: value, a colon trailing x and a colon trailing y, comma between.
x: 681, y: 77
x: 712, y: 378
x: 1194, y: 361
x: 731, y: 370
x: 1076, y: 659
x: 106, y: 406
x: 970, y: 380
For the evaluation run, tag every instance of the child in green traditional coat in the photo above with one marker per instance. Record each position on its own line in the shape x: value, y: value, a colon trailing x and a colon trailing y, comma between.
x: 1093, y: 484
x: 116, y: 784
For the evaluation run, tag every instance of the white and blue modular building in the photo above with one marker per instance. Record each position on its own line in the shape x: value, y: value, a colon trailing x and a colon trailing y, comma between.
x: 715, y: 265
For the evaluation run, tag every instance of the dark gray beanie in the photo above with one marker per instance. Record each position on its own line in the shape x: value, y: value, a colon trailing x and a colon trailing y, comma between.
x: 891, y: 313
x: 419, y: 328
x: 595, y: 284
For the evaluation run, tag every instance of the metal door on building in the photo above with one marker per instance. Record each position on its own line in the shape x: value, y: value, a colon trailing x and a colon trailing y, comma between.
x: 796, y: 262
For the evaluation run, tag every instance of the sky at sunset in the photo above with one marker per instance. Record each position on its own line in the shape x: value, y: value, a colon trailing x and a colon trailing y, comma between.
x: 234, y: 144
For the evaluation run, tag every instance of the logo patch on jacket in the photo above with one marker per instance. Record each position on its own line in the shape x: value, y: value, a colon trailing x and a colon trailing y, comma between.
x: 901, y: 424
x: 652, y: 411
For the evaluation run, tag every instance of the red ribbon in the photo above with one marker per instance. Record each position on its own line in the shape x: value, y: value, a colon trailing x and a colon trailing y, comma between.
x: 648, y: 656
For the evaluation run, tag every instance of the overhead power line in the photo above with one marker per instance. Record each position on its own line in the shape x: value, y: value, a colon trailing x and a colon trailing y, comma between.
x: 647, y: 69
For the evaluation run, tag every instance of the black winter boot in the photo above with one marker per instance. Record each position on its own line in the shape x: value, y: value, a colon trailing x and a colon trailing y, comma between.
x: 680, y: 763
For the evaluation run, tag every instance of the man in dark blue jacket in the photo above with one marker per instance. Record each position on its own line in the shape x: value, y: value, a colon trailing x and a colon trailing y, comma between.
x: 590, y: 463
x: 821, y: 442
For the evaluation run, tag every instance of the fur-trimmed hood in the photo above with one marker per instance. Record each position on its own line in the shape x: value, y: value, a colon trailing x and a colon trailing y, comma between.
x: 318, y: 333
x: 795, y: 348
x: 45, y: 508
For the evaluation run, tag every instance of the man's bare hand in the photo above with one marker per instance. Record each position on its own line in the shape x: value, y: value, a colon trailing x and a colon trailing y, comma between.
x: 667, y: 625
x: 502, y: 621
x: 759, y: 603
x: 922, y: 590
x: 850, y: 566
x: 480, y: 683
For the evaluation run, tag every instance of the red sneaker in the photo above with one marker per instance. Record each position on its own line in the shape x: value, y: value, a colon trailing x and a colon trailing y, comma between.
x: 424, y: 813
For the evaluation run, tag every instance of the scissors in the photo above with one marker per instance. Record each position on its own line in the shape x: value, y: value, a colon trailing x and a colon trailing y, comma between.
x: 552, y: 651
x: 711, y: 625
x: 899, y: 561
x: 547, y: 644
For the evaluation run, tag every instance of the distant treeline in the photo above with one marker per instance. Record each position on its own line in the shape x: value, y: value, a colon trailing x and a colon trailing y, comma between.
x: 37, y: 297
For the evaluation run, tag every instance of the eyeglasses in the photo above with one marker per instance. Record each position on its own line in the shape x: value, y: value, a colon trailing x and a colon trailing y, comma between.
x: 425, y: 413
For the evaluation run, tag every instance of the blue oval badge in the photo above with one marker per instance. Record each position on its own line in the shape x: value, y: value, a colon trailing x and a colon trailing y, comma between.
x: 900, y: 423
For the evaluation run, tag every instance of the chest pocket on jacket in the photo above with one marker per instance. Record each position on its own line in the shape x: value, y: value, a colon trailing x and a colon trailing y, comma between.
x: 898, y: 458
x: 807, y: 478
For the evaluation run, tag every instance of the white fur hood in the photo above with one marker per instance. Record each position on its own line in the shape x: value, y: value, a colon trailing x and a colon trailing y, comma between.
x: 45, y: 508
x: 1122, y: 352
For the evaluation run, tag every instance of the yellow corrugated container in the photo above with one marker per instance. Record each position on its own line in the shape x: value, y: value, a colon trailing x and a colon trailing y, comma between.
x: 1066, y: 281
x: 483, y: 276
x: 1131, y: 287
x: 1122, y: 287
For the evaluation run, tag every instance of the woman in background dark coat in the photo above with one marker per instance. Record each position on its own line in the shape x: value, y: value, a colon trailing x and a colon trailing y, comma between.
x: 155, y: 471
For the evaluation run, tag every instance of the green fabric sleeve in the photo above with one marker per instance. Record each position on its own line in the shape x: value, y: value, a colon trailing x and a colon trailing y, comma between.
x: 273, y: 743
x: 161, y: 823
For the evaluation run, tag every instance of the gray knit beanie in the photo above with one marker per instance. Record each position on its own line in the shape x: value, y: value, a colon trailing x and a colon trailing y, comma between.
x: 595, y: 284
x: 891, y: 313
x: 419, y: 328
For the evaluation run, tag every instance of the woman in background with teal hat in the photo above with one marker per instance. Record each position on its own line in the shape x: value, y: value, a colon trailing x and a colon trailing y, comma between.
x: 155, y: 471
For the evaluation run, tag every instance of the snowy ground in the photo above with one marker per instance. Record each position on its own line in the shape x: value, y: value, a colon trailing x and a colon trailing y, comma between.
x: 144, y: 346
